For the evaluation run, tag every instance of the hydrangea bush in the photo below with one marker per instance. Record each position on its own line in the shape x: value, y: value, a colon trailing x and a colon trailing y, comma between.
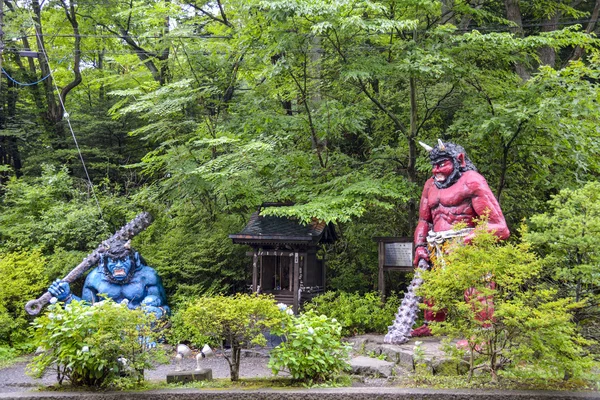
x: 102, y: 345
x: 312, y: 350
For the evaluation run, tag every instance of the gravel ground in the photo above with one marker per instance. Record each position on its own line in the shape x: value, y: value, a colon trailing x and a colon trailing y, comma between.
x: 14, y: 378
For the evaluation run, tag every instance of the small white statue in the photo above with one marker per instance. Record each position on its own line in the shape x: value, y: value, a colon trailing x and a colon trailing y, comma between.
x: 184, y: 351
x: 204, y: 353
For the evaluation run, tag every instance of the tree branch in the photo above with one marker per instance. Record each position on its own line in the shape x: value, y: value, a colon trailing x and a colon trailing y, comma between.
x: 223, y: 20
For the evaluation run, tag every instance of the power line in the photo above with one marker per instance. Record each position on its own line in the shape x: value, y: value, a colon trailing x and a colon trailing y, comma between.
x: 21, y: 83
x: 175, y: 37
x: 114, y: 36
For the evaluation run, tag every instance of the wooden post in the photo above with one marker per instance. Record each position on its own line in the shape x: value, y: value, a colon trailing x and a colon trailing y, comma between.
x: 291, y: 273
x: 260, y: 281
x: 323, y: 270
x: 255, y: 271
x: 296, y: 282
x: 381, y: 277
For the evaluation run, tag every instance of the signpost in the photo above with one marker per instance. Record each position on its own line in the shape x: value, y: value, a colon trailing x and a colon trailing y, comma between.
x: 395, y: 254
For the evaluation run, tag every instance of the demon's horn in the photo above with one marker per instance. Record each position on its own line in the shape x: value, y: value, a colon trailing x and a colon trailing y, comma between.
x: 441, y: 145
x: 426, y: 147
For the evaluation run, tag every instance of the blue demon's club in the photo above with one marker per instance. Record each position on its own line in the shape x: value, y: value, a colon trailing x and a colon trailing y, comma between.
x: 122, y: 275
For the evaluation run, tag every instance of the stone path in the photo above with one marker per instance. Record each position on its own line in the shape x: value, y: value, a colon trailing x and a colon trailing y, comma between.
x: 402, y: 355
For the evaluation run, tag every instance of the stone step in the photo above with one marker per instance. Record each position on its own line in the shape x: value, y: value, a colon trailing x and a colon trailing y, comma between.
x: 434, y: 357
x: 368, y: 366
x: 204, y: 374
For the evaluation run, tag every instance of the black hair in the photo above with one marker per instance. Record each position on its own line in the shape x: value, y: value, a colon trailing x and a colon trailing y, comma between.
x: 450, y: 151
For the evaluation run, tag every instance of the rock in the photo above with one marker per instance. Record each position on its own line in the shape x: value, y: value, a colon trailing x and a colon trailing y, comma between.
x: 362, y: 365
x: 204, y: 374
x: 434, y: 358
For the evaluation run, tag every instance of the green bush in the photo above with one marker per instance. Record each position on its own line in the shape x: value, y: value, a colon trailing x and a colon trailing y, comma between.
x: 358, y: 314
x: 84, y: 344
x: 240, y: 321
x: 530, y: 327
x: 7, y: 356
x: 567, y: 240
x: 21, y: 279
x: 312, y: 350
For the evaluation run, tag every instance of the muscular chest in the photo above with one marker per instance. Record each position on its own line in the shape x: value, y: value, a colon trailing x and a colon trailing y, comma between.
x: 451, y: 205
x: 134, y: 291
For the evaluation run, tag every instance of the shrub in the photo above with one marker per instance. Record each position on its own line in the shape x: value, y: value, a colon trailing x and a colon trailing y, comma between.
x: 358, y: 314
x: 530, y: 325
x: 312, y: 350
x: 566, y: 237
x: 7, y: 356
x: 85, y: 342
x: 239, y: 321
x: 21, y: 279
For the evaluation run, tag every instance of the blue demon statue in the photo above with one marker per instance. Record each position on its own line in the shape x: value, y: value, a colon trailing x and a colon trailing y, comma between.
x: 123, y: 276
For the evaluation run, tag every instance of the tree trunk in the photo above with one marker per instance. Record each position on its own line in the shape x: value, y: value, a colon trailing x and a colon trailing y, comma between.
x: 448, y: 12
x: 547, y: 54
x: 234, y: 365
x: 513, y: 13
x: 9, y: 147
x: 578, y: 52
x: 53, y: 114
x: 55, y: 111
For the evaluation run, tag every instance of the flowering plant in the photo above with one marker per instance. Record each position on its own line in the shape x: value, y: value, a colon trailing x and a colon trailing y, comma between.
x: 99, y: 345
x: 313, y: 350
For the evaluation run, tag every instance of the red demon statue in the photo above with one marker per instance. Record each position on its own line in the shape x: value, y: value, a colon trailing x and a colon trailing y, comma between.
x: 456, y: 193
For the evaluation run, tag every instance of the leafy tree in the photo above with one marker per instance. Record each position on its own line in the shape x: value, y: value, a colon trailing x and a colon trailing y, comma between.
x: 567, y: 238
x: 238, y: 322
x: 530, y: 323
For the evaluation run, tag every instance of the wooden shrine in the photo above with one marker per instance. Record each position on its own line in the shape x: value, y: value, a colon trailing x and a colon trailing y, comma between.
x: 284, y: 256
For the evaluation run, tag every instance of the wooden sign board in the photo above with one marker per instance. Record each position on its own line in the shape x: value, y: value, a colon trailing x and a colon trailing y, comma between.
x: 398, y: 255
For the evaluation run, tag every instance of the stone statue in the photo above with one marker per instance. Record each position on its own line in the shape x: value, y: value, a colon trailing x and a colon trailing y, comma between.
x: 456, y: 193
x: 120, y: 273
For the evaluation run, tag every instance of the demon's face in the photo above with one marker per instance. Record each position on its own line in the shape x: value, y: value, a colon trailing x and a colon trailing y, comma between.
x: 119, y: 268
x: 448, y: 161
x: 442, y: 170
x: 446, y: 171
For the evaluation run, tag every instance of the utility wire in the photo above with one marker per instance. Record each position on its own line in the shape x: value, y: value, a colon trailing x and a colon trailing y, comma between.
x: 21, y: 83
x: 163, y: 37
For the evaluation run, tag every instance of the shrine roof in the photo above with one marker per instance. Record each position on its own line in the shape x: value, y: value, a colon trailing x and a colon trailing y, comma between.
x: 272, y: 229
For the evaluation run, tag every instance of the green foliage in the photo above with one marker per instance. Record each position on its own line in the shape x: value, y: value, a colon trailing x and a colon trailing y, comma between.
x: 50, y: 211
x: 567, y: 237
x: 189, y: 253
x: 356, y: 313
x: 312, y: 350
x: 7, y: 356
x: 240, y: 321
x: 84, y: 342
x: 530, y: 324
x: 316, y: 103
x: 22, y: 278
